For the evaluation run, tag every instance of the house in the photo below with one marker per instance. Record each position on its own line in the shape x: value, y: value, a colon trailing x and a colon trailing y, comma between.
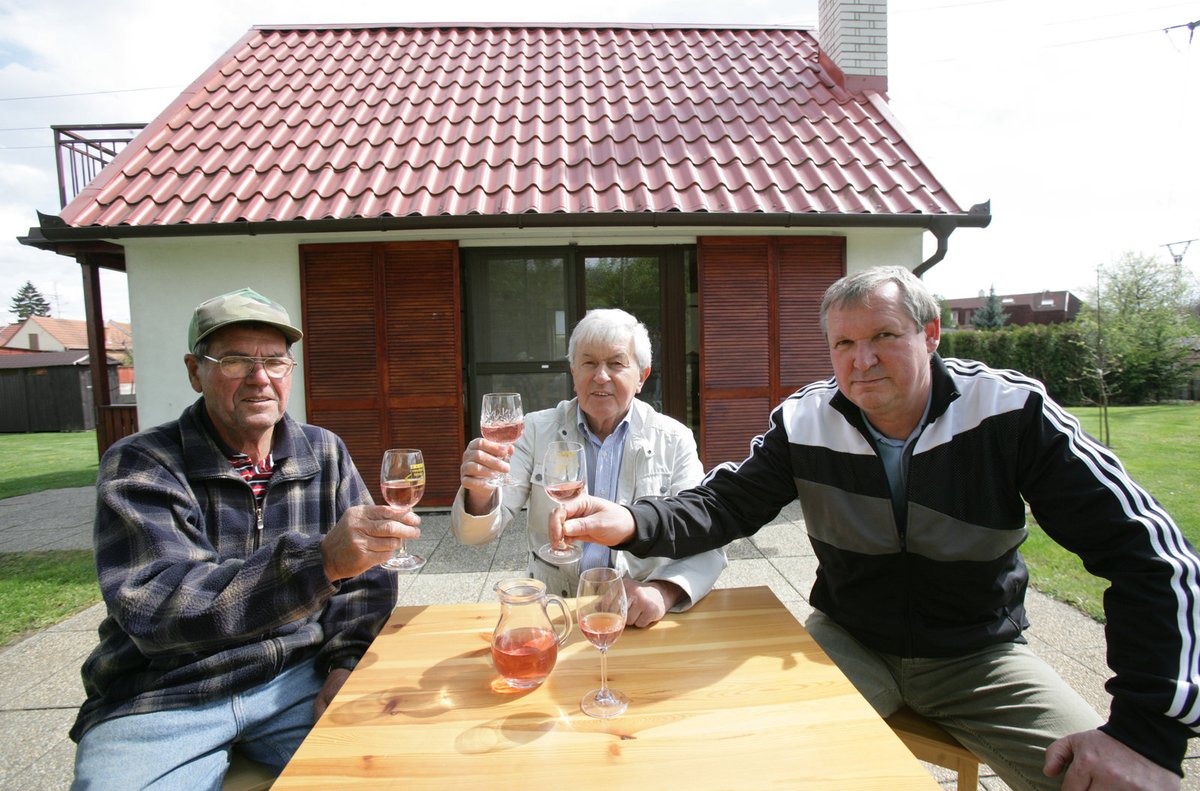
x: 44, y: 333
x: 48, y: 334
x: 438, y: 204
x: 1039, y: 307
x: 50, y: 391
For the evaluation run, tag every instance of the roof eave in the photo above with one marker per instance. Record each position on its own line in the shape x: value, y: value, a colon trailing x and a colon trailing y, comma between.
x: 54, y: 235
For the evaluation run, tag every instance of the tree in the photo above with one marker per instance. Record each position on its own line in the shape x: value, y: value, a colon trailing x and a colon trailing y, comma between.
x: 1140, y: 321
x: 29, y: 302
x: 991, y: 316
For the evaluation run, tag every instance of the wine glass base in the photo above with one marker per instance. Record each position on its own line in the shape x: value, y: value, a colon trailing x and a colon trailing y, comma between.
x: 603, y: 703
x: 404, y: 563
x: 560, y: 557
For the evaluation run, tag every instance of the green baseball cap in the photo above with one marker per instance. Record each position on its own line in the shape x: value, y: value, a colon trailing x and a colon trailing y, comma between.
x: 242, y: 305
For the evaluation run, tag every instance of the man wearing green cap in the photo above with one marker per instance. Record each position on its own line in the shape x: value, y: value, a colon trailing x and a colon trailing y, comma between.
x: 238, y: 554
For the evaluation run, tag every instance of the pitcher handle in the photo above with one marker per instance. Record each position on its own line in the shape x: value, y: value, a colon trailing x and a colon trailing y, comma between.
x: 562, y: 605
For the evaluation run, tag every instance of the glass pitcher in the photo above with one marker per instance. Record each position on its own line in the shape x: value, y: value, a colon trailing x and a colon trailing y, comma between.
x: 525, y: 641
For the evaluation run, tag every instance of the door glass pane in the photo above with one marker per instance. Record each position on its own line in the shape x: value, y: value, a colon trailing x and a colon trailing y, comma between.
x: 517, y: 320
x: 538, y: 390
x: 518, y: 309
x: 631, y: 283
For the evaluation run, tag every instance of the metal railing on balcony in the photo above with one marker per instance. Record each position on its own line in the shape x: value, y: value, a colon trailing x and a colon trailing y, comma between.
x: 82, y: 151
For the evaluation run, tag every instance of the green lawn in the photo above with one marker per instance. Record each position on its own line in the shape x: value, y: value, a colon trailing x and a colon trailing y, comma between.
x: 38, y: 589
x: 1157, y: 445
x: 35, y: 462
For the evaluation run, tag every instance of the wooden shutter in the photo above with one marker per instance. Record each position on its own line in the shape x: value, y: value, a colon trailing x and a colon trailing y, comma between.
x: 382, y: 354
x: 760, y: 335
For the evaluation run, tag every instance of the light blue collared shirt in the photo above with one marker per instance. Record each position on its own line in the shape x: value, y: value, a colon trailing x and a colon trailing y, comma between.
x: 604, y: 459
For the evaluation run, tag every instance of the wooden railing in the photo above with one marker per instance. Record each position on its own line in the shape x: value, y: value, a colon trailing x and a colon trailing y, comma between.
x: 113, y: 422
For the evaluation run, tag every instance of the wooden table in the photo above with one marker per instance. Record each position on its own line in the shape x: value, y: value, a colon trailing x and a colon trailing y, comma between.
x: 732, y: 694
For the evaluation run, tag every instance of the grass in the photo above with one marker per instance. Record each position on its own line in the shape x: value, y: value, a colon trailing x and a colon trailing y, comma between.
x: 39, y: 589
x: 36, y: 462
x: 1157, y: 446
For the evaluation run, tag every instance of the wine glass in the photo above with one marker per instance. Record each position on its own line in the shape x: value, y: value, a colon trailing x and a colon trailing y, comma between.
x: 564, y: 474
x: 600, y: 608
x: 502, y: 421
x: 402, y: 478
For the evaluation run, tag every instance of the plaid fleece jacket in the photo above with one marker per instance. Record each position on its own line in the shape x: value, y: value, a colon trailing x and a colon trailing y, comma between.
x: 206, y: 596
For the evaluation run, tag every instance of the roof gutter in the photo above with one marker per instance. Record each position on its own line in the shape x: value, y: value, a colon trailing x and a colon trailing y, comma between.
x: 941, y: 229
x: 54, y: 234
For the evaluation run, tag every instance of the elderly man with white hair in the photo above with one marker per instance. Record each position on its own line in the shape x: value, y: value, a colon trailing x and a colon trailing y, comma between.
x: 633, y: 452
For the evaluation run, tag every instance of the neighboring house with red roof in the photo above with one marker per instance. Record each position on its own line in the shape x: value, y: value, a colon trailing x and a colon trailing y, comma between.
x: 49, y: 334
x: 439, y: 204
x: 1039, y: 307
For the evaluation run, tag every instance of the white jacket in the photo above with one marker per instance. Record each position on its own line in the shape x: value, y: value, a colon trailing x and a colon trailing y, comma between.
x: 659, y: 459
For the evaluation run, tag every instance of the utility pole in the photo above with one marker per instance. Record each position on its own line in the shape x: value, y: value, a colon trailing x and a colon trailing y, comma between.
x: 1183, y: 247
x: 1100, y: 368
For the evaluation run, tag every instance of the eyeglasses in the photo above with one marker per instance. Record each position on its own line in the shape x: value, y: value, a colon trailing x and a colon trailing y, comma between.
x: 237, y: 367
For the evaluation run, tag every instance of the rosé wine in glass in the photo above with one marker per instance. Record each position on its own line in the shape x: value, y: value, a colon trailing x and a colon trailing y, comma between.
x: 564, y: 477
x: 564, y: 492
x: 402, y: 480
x: 502, y: 420
x: 602, y: 628
x: 601, y: 607
x: 402, y: 494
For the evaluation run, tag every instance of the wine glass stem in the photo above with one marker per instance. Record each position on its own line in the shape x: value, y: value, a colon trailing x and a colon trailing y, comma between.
x: 603, y: 693
x: 400, y: 551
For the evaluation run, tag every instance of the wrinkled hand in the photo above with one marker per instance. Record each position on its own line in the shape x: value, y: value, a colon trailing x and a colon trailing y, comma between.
x: 364, y: 537
x: 333, y: 682
x: 593, y: 519
x: 649, y: 601
x: 1097, y: 762
x: 481, y: 460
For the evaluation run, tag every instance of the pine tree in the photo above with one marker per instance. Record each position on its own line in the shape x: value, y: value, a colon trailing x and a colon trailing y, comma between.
x: 991, y: 316
x: 29, y: 302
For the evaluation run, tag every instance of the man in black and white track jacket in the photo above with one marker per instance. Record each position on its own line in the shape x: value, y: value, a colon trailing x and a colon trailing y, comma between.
x: 913, y: 473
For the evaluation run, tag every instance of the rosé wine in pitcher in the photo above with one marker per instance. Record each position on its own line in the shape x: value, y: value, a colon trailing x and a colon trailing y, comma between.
x: 525, y: 656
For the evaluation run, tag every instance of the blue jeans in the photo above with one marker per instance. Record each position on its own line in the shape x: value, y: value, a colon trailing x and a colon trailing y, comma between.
x: 190, y: 748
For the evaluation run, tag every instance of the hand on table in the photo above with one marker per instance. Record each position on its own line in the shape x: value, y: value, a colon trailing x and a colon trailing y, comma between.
x: 649, y: 601
x: 1095, y: 761
x: 333, y: 682
x: 364, y: 537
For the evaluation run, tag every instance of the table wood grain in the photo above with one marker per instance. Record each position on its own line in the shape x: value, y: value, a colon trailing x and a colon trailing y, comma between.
x: 732, y: 694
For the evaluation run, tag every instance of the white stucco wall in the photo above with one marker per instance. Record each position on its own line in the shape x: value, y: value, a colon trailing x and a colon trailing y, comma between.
x: 167, y: 278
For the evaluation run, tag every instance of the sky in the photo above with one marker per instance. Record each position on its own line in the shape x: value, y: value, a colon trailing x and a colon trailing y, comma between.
x: 1077, y: 119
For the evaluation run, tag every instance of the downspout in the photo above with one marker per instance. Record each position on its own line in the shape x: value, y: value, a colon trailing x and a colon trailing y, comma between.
x: 942, y: 227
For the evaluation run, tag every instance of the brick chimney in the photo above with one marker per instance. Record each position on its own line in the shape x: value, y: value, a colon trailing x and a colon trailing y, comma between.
x: 853, y: 38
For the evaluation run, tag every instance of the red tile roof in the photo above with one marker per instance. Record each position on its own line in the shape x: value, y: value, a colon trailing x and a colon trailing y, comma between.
x: 445, y: 122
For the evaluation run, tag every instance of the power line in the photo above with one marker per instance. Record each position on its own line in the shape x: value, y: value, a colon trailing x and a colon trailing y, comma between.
x: 85, y: 93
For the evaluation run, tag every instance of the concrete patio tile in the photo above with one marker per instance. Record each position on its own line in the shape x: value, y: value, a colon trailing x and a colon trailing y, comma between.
x: 786, y: 539
x: 444, y: 589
